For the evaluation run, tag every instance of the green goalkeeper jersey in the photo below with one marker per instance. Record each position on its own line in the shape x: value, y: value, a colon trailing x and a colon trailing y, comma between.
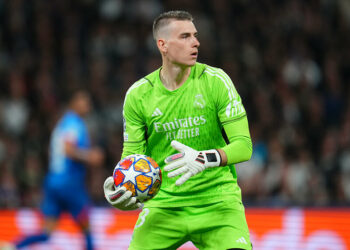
x: 194, y: 115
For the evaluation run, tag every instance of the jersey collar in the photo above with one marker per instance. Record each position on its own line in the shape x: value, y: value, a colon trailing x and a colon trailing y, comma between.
x: 163, y: 89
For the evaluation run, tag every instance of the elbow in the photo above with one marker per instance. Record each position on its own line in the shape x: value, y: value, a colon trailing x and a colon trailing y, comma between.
x: 239, y: 150
x: 249, y: 150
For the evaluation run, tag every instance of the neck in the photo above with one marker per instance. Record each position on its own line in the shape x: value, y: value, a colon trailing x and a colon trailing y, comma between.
x: 173, y: 76
x: 76, y: 111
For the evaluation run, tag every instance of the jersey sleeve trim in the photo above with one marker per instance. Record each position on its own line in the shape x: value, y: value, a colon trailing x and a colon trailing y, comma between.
x: 135, y: 85
x: 235, y: 119
x: 235, y: 107
x: 219, y: 73
x: 133, y: 141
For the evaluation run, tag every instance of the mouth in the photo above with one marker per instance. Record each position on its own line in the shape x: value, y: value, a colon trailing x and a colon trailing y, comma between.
x: 194, y: 54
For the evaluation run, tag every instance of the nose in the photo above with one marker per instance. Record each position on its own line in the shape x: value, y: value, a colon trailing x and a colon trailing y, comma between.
x: 196, y: 43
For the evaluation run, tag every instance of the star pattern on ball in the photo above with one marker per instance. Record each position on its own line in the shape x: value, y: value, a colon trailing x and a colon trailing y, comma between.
x: 129, y: 176
x: 142, y: 177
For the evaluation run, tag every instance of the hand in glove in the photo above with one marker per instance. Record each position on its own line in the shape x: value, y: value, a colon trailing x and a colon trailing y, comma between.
x: 190, y: 162
x: 119, y: 197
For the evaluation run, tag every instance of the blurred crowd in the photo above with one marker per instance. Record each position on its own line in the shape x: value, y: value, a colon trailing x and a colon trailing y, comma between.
x: 289, y: 60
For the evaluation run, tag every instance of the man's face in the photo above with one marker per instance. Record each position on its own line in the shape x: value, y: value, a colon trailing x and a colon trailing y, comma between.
x: 182, y: 43
x: 82, y: 103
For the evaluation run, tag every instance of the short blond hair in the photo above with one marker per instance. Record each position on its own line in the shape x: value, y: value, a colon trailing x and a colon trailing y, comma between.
x: 165, y: 18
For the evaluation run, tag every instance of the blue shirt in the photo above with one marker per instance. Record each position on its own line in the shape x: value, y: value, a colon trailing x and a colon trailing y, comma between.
x: 63, y: 171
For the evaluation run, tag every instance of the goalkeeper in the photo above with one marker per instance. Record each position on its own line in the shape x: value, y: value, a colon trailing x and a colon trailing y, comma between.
x: 176, y: 115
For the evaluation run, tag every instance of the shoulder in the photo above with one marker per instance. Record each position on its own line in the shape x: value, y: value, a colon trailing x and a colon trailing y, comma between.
x: 215, y: 72
x: 69, y: 117
x: 142, y: 85
x: 215, y: 75
x: 138, y: 86
x: 71, y: 120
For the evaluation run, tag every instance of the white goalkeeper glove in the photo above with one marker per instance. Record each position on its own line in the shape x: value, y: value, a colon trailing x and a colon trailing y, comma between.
x: 190, y: 162
x: 119, y: 197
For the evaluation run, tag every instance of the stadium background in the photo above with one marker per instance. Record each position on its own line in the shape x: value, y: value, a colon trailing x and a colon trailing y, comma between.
x: 289, y: 60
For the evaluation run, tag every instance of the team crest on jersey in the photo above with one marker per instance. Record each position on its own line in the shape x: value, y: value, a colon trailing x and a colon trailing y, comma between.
x: 199, y: 101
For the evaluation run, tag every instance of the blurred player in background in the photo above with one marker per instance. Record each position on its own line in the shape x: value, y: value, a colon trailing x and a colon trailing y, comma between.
x: 70, y: 155
x: 180, y: 110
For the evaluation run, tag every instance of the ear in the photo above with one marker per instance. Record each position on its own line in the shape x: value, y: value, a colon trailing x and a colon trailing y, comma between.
x: 162, y: 45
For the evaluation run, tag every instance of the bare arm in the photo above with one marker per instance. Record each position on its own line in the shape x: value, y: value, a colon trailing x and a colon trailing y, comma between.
x: 93, y: 156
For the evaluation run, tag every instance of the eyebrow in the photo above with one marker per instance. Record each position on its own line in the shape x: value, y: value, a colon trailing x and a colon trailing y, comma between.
x: 188, y: 33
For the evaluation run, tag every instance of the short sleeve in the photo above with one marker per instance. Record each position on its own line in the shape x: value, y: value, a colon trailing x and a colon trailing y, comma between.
x: 75, y: 132
x: 71, y: 135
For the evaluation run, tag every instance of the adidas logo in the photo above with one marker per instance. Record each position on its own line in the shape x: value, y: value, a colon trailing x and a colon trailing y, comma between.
x: 157, y: 112
x: 242, y: 240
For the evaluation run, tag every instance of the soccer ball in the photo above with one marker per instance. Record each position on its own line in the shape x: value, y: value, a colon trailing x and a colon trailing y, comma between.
x: 140, y: 174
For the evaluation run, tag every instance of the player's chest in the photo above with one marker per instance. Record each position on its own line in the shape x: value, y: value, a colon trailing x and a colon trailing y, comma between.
x: 194, y: 103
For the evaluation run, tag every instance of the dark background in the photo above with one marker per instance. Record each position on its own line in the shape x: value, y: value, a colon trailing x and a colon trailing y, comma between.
x: 289, y: 60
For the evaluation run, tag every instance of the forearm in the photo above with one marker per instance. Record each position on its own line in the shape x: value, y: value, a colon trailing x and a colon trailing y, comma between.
x: 92, y: 156
x: 239, y: 150
x: 240, y: 147
x: 81, y: 155
x: 130, y: 148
